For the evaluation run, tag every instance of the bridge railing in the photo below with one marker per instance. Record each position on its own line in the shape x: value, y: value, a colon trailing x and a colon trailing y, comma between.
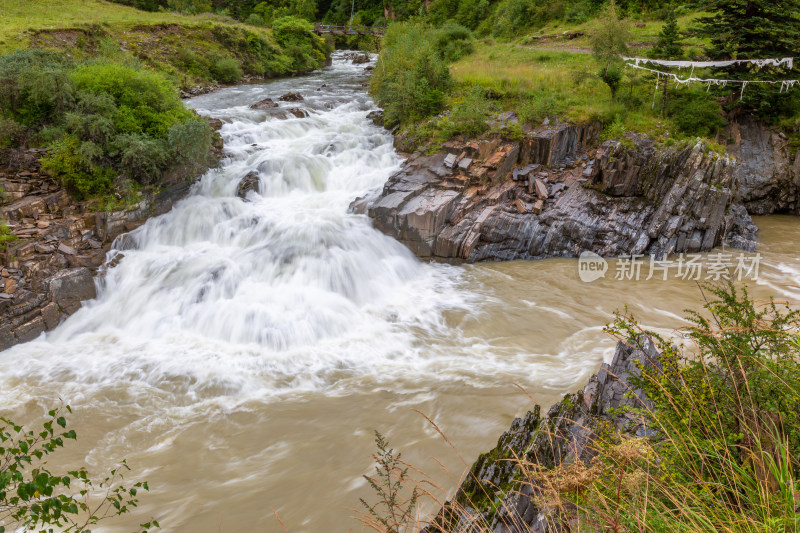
x: 349, y: 30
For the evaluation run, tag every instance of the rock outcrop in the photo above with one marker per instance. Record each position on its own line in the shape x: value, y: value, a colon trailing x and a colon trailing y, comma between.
x: 768, y: 169
x: 49, y: 269
x: 549, y: 195
x: 496, y: 495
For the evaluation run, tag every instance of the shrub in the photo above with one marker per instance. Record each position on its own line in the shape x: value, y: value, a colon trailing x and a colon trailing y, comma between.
x: 141, y: 157
x: 68, y: 163
x: 32, y: 498
x: 453, y: 41
x: 538, y: 106
x: 296, y: 37
x: 227, y: 70
x: 695, y: 113
x: 35, y: 84
x: 255, y: 20
x: 410, y: 77
x: 469, y: 116
x: 146, y: 102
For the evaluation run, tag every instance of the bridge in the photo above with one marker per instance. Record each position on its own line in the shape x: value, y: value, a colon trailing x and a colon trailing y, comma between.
x: 321, y: 29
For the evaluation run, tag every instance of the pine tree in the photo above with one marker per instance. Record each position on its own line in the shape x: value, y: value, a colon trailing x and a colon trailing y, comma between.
x: 756, y: 29
x: 752, y: 29
x: 668, y: 45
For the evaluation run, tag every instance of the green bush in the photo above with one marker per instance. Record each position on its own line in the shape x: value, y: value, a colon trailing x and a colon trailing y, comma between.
x: 146, y: 102
x: 32, y: 498
x: 295, y: 35
x: 453, y: 41
x: 35, y: 84
x: 255, y: 20
x: 227, y: 70
x: 410, y: 77
x: 695, y: 113
x: 69, y: 164
x: 469, y: 116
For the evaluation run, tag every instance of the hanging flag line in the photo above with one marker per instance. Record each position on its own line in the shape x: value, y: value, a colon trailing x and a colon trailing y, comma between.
x: 785, y: 84
x: 788, y: 62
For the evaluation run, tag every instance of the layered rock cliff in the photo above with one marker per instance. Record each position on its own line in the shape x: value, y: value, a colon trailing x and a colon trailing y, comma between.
x: 768, y: 168
x: 496, y: 495
x: 551, y: 195
x: 61, y: 244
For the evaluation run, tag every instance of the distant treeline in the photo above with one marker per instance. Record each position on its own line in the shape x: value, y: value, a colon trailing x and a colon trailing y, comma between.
x: 496, y: 17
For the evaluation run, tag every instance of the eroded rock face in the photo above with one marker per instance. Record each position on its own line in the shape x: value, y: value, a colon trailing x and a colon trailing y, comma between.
x: 564, y: 435
x: 768, y: 171
x: 49, y: 270
x: 533, y: 199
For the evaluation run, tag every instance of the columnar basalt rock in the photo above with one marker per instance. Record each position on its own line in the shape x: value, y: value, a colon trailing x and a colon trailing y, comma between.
x: 513, y: 202
x: 496, y: 493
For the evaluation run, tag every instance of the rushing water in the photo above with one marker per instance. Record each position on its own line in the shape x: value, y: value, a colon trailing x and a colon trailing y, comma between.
x: 242, y: 352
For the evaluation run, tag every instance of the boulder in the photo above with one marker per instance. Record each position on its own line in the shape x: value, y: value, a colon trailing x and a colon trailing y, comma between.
x: 376, y: 117
x: 247, y: 184
x: 266, y: 103
x: 291, y: 97
x: 69, y: 287
x: 298, y: 112
x: 360, y: 59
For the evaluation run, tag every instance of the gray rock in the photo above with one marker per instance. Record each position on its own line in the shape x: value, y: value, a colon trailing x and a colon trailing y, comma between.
x: 247, y: 184
x: 68, y: 288
x: 291, y: 97
x: 631, y: 202
x: 266, y: 103
x: 564, y: 435
x: 450, y: 160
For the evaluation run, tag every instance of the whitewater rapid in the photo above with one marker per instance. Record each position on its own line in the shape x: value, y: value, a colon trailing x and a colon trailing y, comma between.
x: 285, y: 290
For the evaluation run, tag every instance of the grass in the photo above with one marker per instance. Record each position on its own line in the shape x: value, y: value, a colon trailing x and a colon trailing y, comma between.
x: 184, y: 47
x: 642, y: 36
x: 20, y: 17
x: 536, y: 83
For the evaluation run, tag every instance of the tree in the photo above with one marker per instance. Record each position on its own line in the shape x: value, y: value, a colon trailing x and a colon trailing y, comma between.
x: 751, y: 29
x: 755, y: 29
x: 668, y: 46
x: 609, y: 43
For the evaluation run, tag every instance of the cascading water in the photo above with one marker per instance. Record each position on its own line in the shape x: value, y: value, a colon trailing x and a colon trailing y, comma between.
x: 241, y: 353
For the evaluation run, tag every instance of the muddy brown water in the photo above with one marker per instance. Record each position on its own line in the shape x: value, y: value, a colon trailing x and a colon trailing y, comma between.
x: 242, y: 353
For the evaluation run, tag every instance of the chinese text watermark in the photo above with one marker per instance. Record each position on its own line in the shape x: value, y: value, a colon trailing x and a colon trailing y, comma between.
x: 690, y: 267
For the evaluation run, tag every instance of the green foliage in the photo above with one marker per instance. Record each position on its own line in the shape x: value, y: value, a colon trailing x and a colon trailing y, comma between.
x: 539, y: 105
x: 394, y: 510
x: 73, y: 166
x: 609, y: 43
x: 145, y: 102
x: 227, y: 70
x: 668, y: 45
x: 5, y: 232
x: 727, y: 444
x: 695, y: 113
x: 469, y: 116
x: 410, y: 77
x: 295, y: 35
x: 190, y: 7
x: 255, y: 20
x: 33, y: 85
x: 756, y: 29
x: 32, y: 498
x: 453, y: 41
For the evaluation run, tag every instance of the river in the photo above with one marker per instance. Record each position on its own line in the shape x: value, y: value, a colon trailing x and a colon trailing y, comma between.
x: 242, y: 352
